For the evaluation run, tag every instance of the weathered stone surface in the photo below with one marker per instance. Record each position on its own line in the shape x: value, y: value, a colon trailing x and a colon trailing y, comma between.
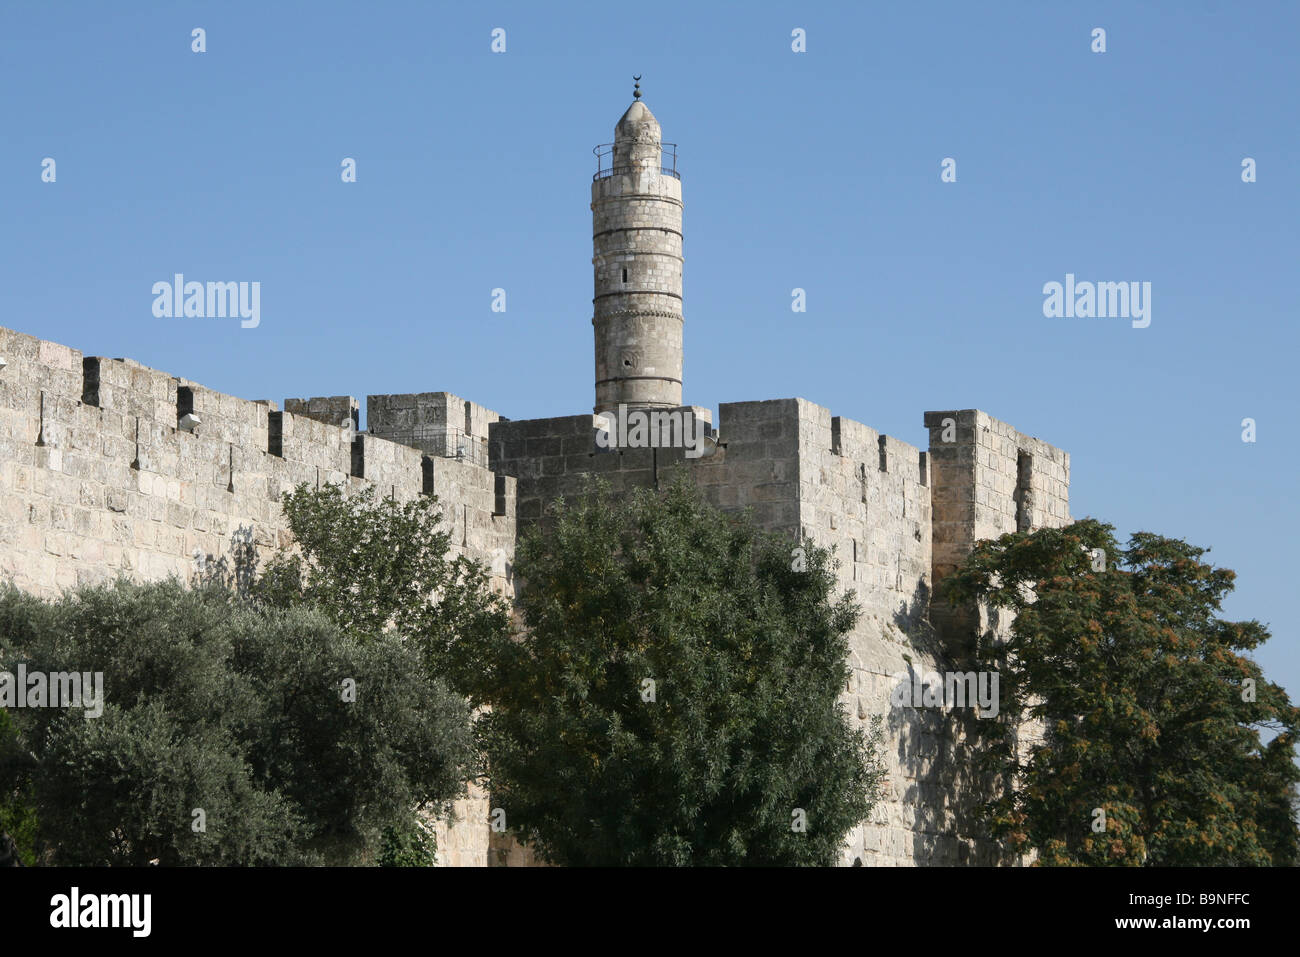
x: 636, y: 216
x: 96, y: 480
x: 897, y: 518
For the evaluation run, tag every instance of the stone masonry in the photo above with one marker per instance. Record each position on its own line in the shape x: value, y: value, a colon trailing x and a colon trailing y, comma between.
x: 98, y: 478
x: 636, y: 213
x: 108, y: 467
x: 898, y: 518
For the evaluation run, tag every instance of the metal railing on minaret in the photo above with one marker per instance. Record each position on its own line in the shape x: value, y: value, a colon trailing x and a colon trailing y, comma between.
x: 605, y: 159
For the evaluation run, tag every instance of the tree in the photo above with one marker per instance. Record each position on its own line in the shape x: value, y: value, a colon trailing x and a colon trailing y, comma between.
x: 379, y: 567
x: 673, y: 696
x: 1152, y: 752
x: 17, y: 815
x: 376, y: 565
x: 231, y: 733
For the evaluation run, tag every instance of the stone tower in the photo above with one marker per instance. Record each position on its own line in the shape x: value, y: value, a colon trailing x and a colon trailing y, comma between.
x: 636, y: 211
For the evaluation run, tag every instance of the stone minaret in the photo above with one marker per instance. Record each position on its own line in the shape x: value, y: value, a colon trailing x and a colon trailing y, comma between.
x: 636, y: 211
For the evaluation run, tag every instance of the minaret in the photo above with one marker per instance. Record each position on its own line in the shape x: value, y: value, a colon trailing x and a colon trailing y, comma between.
x: 636, y: 212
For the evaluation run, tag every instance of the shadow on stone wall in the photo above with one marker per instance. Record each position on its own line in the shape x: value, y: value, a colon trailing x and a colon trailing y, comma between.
x: 942, y: 750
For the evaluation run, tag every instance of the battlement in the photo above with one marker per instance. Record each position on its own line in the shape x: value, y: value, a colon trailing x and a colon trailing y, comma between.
x: 109, y: 466
x: 438, y: 423
x: 340, y: 410
x: 896, y: 516
x: 991, y: 479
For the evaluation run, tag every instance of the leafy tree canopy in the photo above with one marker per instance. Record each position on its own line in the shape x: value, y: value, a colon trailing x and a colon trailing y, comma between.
x: 238, y: 711
x: 673, y: 696
x: 1151, y: 711
x: 17, y: 813
x: 376, y: 565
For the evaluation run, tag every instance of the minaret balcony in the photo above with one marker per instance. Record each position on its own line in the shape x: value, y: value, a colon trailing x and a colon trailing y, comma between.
x: 605, y: 160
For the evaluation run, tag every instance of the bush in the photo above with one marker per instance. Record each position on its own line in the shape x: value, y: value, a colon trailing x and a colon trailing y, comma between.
x: 230, y: 734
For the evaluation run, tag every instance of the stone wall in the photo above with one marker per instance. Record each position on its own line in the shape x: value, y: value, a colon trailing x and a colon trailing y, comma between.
x: 437, y: 423
x: 97, y: 479
x: 989, y: 480
x: 888, y: 510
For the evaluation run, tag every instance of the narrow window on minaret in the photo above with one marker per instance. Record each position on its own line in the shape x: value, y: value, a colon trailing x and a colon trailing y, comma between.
x: 625, y: 275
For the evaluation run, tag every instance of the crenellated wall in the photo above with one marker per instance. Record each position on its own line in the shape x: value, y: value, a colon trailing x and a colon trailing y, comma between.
x: 438, y: 423
x: 989, y: 480
x: 97, y: 478
x: 896, y: 517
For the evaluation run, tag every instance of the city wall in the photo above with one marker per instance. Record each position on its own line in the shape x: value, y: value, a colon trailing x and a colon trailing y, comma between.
x: 99, y: 476
x: 101, y: 473
x: 898, y: 518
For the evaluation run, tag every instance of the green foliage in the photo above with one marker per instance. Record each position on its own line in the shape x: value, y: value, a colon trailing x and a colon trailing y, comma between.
x: 1144, y: 700
x: 382, y: 569
x: 217, y: 704
x: 377, y: 565
x: 17, y: 813
x: 409, y: 844
x: 747, y: 656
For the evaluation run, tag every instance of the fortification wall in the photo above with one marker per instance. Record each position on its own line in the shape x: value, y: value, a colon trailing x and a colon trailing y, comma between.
x: 437, y: 423
x: 799, y: 470
x: 989, y: 479
x: 866, y: 496
x: 894, y: 520
x: 97, y: 480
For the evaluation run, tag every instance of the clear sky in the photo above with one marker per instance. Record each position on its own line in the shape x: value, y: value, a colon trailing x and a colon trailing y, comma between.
x: 818, y: 170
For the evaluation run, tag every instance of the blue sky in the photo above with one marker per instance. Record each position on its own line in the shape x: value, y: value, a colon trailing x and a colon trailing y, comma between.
x: 818, y: 170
